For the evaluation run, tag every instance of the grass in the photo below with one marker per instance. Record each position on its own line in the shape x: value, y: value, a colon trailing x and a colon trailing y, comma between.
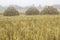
x: 40, y: 27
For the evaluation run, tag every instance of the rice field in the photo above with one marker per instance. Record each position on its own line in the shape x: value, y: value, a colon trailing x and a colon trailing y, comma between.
x: 40, y: 27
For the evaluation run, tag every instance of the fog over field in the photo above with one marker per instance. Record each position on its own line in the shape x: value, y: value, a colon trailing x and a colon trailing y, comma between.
x: 28, y: 2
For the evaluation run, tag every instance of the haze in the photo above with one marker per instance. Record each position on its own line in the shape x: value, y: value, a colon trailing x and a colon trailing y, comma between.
x: 28, y: 2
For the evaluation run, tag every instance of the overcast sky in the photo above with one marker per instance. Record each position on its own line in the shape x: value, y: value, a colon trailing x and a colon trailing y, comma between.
x: 28, y: 2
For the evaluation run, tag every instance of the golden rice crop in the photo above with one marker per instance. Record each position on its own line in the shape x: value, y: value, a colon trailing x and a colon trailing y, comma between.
x: 42, y: 27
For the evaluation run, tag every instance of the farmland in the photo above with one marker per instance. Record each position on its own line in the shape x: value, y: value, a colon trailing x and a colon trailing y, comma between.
x: 39, y: 27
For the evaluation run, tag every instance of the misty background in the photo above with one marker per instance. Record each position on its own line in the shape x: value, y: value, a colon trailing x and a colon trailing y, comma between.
x: 24, y: 4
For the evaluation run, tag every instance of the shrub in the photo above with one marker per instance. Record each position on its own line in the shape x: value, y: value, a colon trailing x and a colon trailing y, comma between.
x: 32, y: 11
x: 11, y: 11
x: 49, y: 10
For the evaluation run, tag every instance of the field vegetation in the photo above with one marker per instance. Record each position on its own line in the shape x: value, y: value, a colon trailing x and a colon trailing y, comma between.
x: 32, y: 25
x: 44, y: 27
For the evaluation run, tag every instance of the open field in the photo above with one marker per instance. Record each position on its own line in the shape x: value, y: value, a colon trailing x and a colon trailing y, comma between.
x: 40, y: 27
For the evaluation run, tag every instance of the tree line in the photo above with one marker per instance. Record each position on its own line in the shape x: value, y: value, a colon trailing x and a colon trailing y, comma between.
x: 48, y: 10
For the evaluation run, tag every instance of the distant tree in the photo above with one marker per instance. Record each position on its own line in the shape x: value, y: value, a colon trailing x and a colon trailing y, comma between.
x: 49, y: 10
x: 32, y: 11
x: 11, y: 11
